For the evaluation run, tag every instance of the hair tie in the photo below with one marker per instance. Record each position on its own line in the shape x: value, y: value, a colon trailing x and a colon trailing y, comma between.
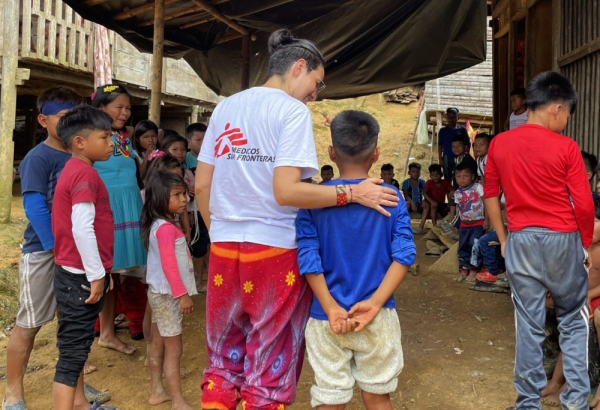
x: 155, y: 154
x: 93, y: 95
x: 110, y: 88
x: 53, y: 107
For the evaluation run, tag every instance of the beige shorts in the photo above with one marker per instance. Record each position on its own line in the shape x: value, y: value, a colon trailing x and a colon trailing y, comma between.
x: 372, y: 358
x: 36, y: 289
x: 166, y: 313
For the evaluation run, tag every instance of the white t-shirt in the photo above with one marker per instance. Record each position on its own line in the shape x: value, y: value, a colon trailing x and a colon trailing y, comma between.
x: 517, y: 120
x: 251, y: 133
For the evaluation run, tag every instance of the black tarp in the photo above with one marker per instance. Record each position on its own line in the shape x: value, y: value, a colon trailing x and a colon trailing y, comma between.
x: 370, y: 45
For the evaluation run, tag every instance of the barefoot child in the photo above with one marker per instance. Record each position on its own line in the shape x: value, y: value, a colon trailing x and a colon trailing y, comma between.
x: 82, y: 224
x: 170, y: 278
x: 436, y: 191
x: 412, y: 189
x: 353, y: 334
x: 544, y: 250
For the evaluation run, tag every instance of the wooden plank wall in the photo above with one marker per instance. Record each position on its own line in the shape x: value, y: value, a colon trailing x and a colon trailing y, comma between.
x: 468, y: 90
x: 579, y: 60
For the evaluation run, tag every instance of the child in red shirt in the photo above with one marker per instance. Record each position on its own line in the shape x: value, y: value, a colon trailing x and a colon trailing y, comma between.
x: 82, y: 223
x: 550, y: 220
x: 436, y: 191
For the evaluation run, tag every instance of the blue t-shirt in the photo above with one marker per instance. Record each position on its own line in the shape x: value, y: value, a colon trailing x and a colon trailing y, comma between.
x: 353, y: 246
x: 445, y: 136
x: 415, y: 192
x: 191, y: 161
x: 39, y: 172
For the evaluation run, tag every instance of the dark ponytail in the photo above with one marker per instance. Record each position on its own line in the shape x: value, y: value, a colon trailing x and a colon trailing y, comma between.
x: 285, y: 50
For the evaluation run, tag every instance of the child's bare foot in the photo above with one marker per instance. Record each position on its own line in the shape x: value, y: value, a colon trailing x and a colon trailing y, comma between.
x: 89, y: 368
x: 158, y: 398
x: 472, y: 277
x: 461, y: 276
x: 116, y: 344
x: 594, y: 402
x: 552, y: 399
x: 550, y: 388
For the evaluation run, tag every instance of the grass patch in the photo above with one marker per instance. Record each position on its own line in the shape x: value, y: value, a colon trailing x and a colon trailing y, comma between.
x: 9, y: 295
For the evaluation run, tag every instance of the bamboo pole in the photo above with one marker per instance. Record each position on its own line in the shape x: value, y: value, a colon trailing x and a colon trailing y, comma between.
x: 157, y: 61
x: 246, y: 51
x: 8, y: 104
x: 139, y: 10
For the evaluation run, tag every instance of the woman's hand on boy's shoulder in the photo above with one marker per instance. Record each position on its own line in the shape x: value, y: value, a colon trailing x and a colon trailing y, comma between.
x: 371, y: 194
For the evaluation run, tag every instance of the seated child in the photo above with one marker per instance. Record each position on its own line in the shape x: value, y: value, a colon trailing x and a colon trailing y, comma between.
x: 412, y: 188
x: 353, y: 334
x: 387, y: 174
x: 326, y: 174
x: 551, y: 394
x: 518, y: 104
x: 436, y: 191
x: 469, y: 200
x: 82, y: 224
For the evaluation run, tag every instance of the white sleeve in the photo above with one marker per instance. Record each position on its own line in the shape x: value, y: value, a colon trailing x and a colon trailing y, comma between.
x: 296, y: 145
x: 479, y: 190
x: 82, y: 218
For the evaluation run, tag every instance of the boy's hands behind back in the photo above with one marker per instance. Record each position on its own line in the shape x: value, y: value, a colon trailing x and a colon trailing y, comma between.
x: 338, y: 320
x: 363, y: 313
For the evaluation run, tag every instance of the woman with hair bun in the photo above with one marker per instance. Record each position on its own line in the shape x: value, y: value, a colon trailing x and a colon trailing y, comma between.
x: 257, y: 149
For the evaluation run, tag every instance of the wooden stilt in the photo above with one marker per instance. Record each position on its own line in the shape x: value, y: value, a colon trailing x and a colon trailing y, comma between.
x: 246, y: 51
x: 8, y: 105
x: 157, y: 61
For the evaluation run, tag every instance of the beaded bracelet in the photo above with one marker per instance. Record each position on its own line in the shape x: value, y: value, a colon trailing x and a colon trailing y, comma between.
x: 342, y: 195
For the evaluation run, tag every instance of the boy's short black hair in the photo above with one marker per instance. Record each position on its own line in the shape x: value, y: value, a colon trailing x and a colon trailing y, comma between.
x: 435, y: 168
x: 60, y: 94
x: 462, y: 167
x: 195, y: 127
x: 550, y: 87
x: 387, y: 167
x: 518, y: 91
x: 81, y: 121
x: 461, y: 138
x: 484, y: 135
x: 326, y: 168
x: 591, y: 159
x: 414, y: 165
x: 452, y: 110
x: 354, y: 135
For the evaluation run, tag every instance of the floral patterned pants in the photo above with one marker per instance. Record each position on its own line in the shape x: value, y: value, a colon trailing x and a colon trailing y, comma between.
x: 257, y: 308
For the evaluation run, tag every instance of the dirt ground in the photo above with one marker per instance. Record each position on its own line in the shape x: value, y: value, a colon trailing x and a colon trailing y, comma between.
x: 440, y: 318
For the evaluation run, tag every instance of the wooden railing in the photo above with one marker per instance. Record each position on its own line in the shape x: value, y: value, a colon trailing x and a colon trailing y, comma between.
x: 51, y: 31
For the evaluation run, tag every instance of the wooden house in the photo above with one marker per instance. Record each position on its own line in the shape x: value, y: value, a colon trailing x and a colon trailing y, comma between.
x: 532, y: 36
x: 55, y: 46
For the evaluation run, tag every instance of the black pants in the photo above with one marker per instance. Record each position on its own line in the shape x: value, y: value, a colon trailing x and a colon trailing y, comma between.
x: 466, y: 240
x: 76, y: 321
x: 199, y: 248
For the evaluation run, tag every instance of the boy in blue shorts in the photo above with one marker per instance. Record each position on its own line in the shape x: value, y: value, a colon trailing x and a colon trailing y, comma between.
x: 353, y: 334
x: 39, y: 174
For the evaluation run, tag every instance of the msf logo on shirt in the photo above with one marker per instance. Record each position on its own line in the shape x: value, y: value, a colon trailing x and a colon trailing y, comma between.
x: 229, y: 139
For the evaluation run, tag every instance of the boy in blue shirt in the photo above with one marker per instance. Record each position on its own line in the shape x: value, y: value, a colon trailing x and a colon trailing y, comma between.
x: 354, y: 259
x: 445, y: 138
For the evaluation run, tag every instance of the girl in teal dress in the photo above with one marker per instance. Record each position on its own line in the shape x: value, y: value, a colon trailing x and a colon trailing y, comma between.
x: 119, y: 175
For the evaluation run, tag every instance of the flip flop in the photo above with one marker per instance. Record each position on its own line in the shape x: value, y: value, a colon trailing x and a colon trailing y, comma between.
x: 98, y: 406
x: 93, y: 395
x: 18, y: 405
